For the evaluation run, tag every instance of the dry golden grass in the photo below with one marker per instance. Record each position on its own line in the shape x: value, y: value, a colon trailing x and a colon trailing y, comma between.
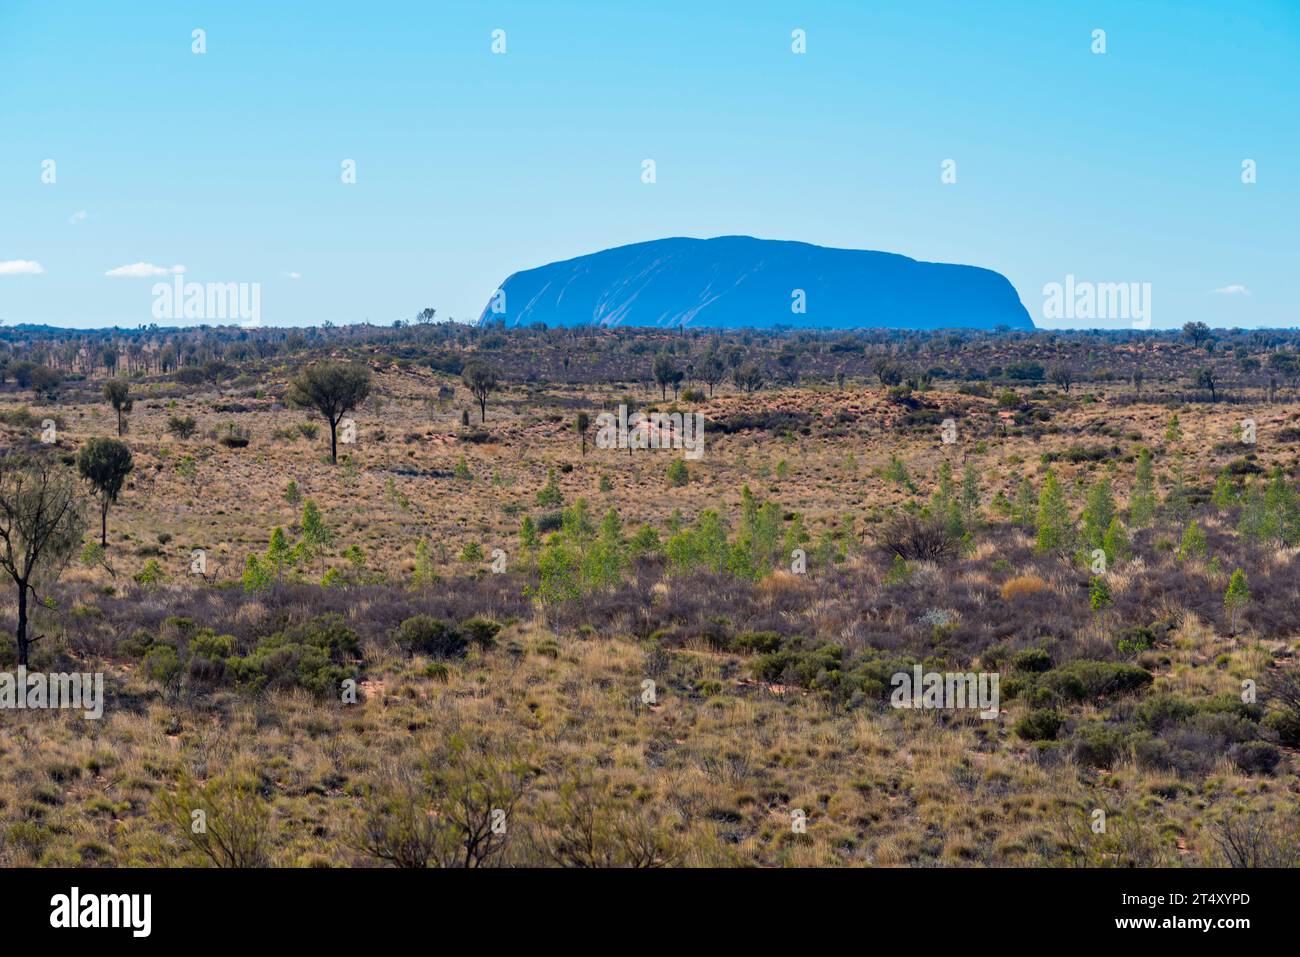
x: 723, y: 772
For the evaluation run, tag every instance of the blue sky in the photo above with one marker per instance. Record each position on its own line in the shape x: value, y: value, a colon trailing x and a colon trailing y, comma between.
x: 1122, y: 167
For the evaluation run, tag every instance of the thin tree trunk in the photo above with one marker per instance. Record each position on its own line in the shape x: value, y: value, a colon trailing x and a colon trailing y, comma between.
x: 22, y: 625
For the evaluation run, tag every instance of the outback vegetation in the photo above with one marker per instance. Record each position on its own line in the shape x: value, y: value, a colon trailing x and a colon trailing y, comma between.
x: 377, y: 595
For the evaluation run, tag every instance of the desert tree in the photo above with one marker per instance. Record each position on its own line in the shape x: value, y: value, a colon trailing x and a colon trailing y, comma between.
x: 333, y: 389
x: 748, y: 377
x: 582, y: 423
x: 1197, y: 332
x: 788, y: 362
x: 1054, y: 529
x: 1236, y: 598
x: 1061, y: 375
x: 711, y: 370
x: 43, y: 381
x: 665, y: 373
x: 105, y: 464
x: 1098, y: 512
x: 888, y: 372
x: 118, y: 394
x: 40, y: 526
x: 1204, y: 378
x: 481, y: 380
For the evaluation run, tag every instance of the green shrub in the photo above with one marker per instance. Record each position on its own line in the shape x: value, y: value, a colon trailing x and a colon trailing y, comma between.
x: 1040, y: 725
x: 311, y: 656
x: 426, y: 635
x: 1163, y: 710
x: 801, y: 663
x: 480, y: 631
x: 1286, y: 725
x: 151, y: 574
x: 757, y: 642
x: 678, y: 475
x: 162, y: 664
x: 1098, y: 745
x: 1032, y: 660
x: 1255, y: 757
x: 1079, y: 681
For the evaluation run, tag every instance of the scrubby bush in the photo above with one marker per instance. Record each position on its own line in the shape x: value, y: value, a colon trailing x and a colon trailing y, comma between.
x: 1255, y: 757
x: 920, y: 538
x: 314, y: 655
x: 1079, y: 681
x: 1040, y: 725
x: 1032, y: 660
x: 1098, y: 745
x: 1022, y: 586
x: 425, y: 635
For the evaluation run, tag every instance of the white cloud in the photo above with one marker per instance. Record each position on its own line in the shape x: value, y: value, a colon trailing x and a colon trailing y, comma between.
x: 294, y: 275
x: 20, y: 267
x: 143, y: 271
x: 78, y: 217
x: 1236, y: 289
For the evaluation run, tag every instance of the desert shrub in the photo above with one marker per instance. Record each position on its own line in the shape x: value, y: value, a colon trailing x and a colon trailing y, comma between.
x: 549, y: 522
x: 237, y: 823
x: 1083, y: 680
x: 208, y: 653
x: 765, y: 420
x: 1282, y: 692
x: 1285, y: 726
x: 233, y: 436
x: 137, y: 644
x: 1022, y: 586
x: 162, y: 664
x: 1163, y: 710
x: 183, y: 427
x: 801, y: 662
x: 919, y: 538
x: 1032, y: 660
x: 871, y: 677
x: 1039, y: 725
x: 151, y: 573
x: 757, y: 642
x: 716, y: 632
x: 1078, y: 454
x: 1255, y: 757
x: 425, y: 635
x: 1135, y: 640
x: 678, y: 475
x: 444, y: 811
x: 313, y: 655
x: 480, y: 631
x: 1098, y: 745
x: 1253, y: 839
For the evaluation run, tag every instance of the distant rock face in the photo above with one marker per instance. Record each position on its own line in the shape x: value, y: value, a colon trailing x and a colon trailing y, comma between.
x: 741, y: 282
